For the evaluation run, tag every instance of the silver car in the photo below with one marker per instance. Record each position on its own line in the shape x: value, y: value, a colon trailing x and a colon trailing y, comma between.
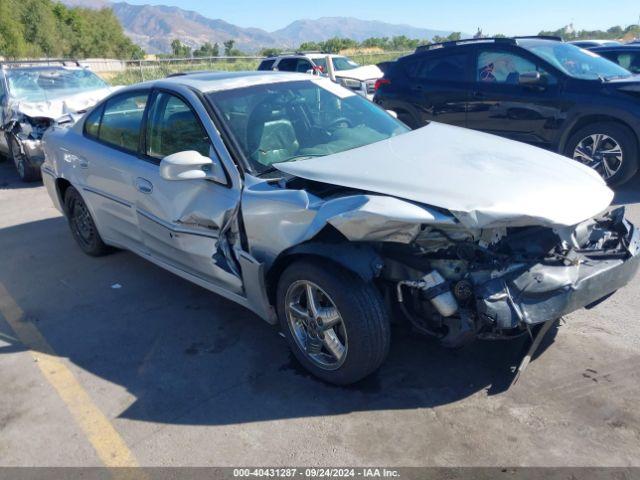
x: 33, y: 96
x: 322, y: 213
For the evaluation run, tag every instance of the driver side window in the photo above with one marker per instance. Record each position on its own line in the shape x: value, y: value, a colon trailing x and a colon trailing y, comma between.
x: 505, y: 68
x: 173, y: 127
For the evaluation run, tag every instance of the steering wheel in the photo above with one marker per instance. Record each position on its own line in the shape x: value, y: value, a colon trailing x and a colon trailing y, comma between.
x: 340, y: 122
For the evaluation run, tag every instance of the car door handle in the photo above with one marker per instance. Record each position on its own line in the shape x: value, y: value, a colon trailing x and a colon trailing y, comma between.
x: 478, y: 94
x: 417, y: 88
x: 143, y: 185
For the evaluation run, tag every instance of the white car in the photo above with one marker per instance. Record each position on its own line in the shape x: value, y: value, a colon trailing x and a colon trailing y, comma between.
x: 360, y: 79
x: 325, y: 215
x: 33, y: 96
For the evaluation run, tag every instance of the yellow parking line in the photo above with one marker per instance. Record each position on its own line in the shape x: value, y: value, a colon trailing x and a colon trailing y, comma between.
x: 103, y: 436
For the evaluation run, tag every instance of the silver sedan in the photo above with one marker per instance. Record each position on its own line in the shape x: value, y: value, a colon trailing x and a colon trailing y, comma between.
x: 325, y: 215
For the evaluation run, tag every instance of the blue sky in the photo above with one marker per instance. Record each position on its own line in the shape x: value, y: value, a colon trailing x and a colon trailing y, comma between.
x: 509, y: 17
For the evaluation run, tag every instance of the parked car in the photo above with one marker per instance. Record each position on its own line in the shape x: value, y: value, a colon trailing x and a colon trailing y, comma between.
x: 589, y: 44
x: 360, y: 79
x: 318, y: 210
x: 33, y: 96
x: 544, y: 92
x: 627, y: 56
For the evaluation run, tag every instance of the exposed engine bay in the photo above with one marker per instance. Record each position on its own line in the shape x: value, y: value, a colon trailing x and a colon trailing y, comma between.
x: 460, y: 285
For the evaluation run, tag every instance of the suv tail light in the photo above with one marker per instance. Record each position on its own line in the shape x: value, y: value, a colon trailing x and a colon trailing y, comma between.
x: 380, y: 82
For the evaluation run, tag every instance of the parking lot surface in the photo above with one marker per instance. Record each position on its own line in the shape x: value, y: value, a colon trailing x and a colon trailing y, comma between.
x: 115, y: 361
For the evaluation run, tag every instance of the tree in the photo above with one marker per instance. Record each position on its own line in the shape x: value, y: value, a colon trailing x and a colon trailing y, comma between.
x: 310, y: 47
x: 270, y: 52
x: 207, y: 50
x: 179, y: 49
x: 33, y: 28
x: 228, y: 47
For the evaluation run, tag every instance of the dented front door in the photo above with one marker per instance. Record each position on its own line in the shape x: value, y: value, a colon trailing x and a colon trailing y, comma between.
x: 184, y: 223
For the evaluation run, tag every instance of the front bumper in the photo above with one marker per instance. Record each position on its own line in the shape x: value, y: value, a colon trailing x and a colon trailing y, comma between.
x: 543, y: 292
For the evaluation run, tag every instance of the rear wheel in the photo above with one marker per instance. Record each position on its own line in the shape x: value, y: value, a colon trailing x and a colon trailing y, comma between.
x: 336, y: 323
x: 26, y: 171
x: 609, y: 148
x: 83, y: 228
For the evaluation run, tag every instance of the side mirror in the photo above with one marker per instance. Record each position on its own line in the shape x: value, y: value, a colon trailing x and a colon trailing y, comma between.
x: 393, y: 114
x: 530, y: 78
x: 190, y: 165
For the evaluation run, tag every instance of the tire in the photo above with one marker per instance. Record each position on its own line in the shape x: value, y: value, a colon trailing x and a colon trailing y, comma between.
x: 82, y: 226
x: 363, y: 329
x: 27, y: 172
x: 619, y: 135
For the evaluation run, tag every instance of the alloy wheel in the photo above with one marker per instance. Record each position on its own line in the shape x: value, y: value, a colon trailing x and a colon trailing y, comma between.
x: 600, y: 152
x: 316, y: 325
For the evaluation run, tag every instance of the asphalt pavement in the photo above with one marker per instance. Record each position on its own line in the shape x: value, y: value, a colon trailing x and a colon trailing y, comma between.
x: 113, y: 361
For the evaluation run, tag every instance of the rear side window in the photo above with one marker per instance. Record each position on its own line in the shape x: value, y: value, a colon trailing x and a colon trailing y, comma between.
x: 92, y: 123
x: 267, y: 65
x: 445, y: 68
x: 288, y: 65
x: 502, y: 67
x: 122, y: 120
x: 173, y: 128
x: 630, y: 61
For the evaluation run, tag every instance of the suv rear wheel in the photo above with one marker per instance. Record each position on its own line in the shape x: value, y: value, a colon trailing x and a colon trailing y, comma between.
x: 609, y: 148
x: 336, y: 324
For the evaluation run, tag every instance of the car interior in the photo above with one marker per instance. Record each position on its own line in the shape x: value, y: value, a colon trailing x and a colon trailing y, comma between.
x: 300, y: 119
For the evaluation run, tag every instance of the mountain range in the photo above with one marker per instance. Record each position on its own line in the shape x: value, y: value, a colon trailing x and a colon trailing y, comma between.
x: 153, y: 27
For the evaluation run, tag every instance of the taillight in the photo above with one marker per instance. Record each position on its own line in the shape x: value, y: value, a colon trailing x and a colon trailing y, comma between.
x: 380, y: 82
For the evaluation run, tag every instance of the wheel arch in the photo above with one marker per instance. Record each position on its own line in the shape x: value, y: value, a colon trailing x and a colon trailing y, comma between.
x: 592, y: 118
x: 360, y: 259
x: 62, y: 185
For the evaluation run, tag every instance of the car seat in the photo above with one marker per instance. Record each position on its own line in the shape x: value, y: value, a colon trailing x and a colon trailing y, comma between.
x: 271, y: 137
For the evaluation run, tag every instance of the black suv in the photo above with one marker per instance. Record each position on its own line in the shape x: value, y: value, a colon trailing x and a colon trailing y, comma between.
x: 532, y: 89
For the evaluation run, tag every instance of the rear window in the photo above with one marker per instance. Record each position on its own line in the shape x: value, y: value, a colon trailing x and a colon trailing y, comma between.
x: 442, y: 68
x: 122, y: 120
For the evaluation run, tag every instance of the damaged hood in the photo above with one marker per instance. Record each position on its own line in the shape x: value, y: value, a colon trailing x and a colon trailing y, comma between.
x: 56, y: 108
x: 484, y: 180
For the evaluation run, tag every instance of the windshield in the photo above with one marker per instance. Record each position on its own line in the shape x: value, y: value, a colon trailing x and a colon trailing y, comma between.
x: 576, y: 62
x: 39, y: 85
x: 290, y: 121
x: 339, y: 63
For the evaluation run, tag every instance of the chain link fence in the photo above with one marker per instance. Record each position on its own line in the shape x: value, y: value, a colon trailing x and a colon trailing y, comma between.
x: 119, y: 72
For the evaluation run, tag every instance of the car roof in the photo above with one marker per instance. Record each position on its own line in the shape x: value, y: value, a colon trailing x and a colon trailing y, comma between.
x: 616, y: 48
x: 206, y: 82
x: 473, y: 42
x: 40, y: 68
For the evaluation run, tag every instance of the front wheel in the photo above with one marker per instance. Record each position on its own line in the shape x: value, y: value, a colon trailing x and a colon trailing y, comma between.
x: 26, y: 171
x: 336, y: 324
x: 609, y: 148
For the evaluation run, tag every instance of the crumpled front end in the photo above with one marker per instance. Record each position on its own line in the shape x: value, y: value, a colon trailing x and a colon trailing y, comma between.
x: 459, y: 286
x: 28, y: 121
